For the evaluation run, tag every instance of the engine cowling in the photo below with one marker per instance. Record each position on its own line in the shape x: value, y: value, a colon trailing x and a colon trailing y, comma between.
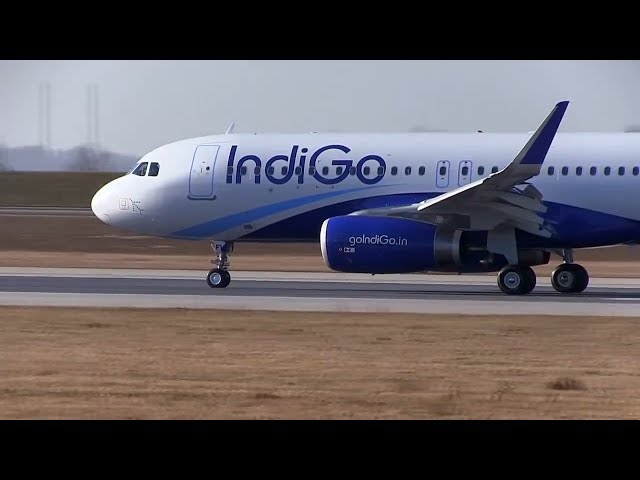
x: 372, y: 244
x: 366, y: 244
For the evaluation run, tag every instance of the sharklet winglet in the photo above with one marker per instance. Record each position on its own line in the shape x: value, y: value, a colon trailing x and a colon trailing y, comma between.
x: 535, y: 151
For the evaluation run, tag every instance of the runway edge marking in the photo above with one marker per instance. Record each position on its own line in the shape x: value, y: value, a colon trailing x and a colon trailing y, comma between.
x: 245, y: 275
x: 296, y: 304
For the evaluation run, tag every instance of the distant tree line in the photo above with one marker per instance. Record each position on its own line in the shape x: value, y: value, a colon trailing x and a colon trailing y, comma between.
x: 83, y: 158
x: 88, y: 158
x: 4, y: 158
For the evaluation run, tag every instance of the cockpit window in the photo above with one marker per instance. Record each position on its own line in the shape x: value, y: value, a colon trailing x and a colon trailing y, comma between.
x: 141, y: 169
x: 154, y: 169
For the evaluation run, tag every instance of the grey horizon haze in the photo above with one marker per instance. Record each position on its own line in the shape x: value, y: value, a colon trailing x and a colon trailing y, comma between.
x: 144, y: 104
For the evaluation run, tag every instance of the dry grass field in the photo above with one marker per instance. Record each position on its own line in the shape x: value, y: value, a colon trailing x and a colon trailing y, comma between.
x: 61, y: 189
x: 177, y: 364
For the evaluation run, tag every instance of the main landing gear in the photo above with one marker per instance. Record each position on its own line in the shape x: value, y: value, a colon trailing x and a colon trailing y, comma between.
x: 568, y: 277
x: 517, y: 279
x: 220, y: 277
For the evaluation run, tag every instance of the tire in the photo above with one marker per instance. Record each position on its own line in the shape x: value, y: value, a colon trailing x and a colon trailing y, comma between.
x: 563, y: 278
x: 513, y: 280
x: 570, y: 278
x: 531, y: 279
x: 218, y: 278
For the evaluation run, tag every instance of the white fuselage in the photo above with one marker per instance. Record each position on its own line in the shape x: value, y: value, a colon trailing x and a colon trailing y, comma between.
x: 233, y: 187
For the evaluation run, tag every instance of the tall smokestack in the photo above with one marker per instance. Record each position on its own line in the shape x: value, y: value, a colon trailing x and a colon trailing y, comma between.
x: 96, y: 113
x: 44, y: 114
x: 40, y: 115
x: 93, y: 111
x: 47, y: 117
x: 89, y: 116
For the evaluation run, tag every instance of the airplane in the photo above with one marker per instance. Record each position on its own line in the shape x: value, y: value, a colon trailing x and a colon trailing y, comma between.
x: 391, y: 203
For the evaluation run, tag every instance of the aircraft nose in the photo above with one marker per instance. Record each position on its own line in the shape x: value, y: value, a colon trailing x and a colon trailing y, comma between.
x: 100, y: 205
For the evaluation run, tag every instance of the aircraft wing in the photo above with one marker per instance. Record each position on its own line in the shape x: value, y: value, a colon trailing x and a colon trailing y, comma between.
x: 502, y: 198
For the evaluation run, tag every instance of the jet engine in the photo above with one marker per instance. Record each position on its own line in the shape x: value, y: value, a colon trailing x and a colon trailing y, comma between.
x: 372, y: 244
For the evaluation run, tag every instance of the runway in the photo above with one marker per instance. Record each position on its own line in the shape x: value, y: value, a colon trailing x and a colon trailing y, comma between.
x: 293, y: 291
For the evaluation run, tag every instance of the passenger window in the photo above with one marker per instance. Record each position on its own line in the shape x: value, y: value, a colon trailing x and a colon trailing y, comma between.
x: 593, y: 170
x: 256, y: 171
x: 494, y: 169
x: 480, y: 170
x: 421, y: 171
x: 607, y: 170
x: 270, y: 170
x: 229, y: 170
x: 465, y: 171
x: 550, y: 170
x: 366, y: 170
x: 325, y: 171
x: 352, y: 171
x: 636, y: 170
x: 243, y: 171
x: 578, y: 170
x: 443, y: 171
x: 394, y: 170
x: 284, y: 170
x: 565, y: 170
x: 298, y: 170
x: 338, y: 170
x: 154, y: 169
x: 407, y: 171
x: 380, y: 170
x: 621, y: 171
x: 312, y: 170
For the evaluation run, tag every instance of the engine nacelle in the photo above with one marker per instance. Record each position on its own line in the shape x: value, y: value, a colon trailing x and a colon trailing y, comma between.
x: 367, y: 244
x: 371, y: 244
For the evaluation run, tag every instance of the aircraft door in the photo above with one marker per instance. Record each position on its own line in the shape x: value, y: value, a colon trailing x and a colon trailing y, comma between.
x: 442, y: 174
x: 202, y: 168
x: 464, y: 172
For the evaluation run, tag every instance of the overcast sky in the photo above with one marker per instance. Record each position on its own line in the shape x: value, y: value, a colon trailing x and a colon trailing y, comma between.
x: 144, y: 104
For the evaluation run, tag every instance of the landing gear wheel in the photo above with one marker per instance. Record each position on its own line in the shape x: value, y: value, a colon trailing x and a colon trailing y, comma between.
x: 516, y: 280
x: 218, y: 278
x: 570, y: 278
x: 531, y: 279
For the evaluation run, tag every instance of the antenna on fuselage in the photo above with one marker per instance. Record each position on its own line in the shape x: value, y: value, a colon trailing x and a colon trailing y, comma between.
x: 230, y: 129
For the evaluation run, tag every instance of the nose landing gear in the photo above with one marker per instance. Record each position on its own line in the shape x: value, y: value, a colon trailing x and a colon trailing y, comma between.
x: 219, y: 277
